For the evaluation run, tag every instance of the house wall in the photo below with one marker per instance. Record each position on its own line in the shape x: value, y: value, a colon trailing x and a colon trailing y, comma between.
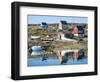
x: 60, y: 26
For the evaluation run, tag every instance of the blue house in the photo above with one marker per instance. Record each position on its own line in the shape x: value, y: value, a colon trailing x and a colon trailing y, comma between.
x: 44, y: 25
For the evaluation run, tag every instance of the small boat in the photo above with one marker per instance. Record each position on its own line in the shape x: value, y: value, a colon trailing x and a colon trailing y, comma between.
x: 35, y: 37
x: 37, y: 50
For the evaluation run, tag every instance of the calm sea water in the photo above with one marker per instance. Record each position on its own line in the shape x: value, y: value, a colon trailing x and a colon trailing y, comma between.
x: 53, y: 61
x: 63, y: 59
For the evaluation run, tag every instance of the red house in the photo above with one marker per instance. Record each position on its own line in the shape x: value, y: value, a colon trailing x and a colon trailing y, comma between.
x: 78, y: 31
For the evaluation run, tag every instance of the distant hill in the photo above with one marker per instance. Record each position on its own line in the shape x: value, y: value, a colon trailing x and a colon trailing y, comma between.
x: 58, y: 24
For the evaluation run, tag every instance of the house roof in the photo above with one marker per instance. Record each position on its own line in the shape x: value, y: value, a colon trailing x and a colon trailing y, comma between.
x: 63, y: 22
x: 44, y: 25
x: 81, y: 29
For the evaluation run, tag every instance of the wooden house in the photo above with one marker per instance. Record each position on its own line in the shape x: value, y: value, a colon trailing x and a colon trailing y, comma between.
x: 44, y: 25
x: 78, y: 31
x: 63, y: 25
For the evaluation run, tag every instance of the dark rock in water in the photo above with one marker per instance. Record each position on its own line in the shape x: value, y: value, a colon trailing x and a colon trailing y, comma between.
x: 44, y: 58
x: 81, y: 54
x: 81, y: 57
x: 64, y: 59
x: 30, y: 50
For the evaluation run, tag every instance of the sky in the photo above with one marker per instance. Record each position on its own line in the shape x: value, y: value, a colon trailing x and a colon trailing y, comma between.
x: 37, y: 19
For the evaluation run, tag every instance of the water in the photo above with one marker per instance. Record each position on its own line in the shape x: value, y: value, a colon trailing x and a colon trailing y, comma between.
x: 60, y: 57
x: 54, y: 61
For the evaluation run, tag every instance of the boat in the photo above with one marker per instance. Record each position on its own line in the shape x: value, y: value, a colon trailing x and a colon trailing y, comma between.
x: 37, y: 50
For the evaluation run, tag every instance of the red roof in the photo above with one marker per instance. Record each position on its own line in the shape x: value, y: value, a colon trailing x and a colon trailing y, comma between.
x: 75, y: 30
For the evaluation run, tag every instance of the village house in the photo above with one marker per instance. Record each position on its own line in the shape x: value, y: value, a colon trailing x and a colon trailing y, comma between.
x: 63, y: 25
x: 78, y: 31
x: 63, y: 31
x: 60, y: 34
x: 44, y: 25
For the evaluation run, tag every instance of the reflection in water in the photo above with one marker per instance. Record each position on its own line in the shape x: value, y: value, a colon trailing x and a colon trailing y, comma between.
x: 60, y: 57
x: 64, y: 55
